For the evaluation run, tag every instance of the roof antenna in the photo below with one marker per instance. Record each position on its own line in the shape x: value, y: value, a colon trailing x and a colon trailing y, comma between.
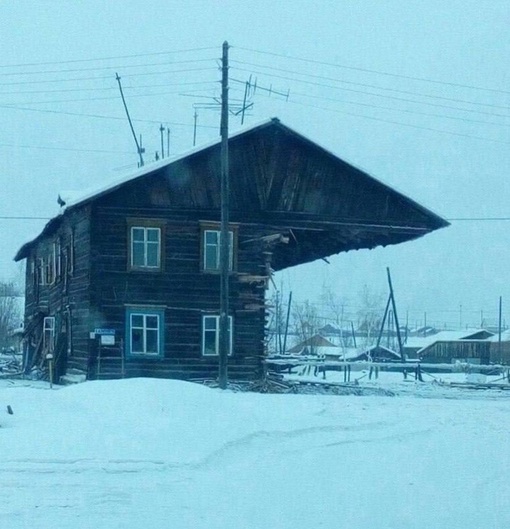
x: 139, y: 149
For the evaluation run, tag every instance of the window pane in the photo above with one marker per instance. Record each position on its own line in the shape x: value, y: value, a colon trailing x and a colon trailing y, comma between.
x: 138, y: 234
x: 138, y: 254
x: 153, y: 234
x: 210, y: 342
x: 136, y: 320
x: 152, y: 254
x: 152, y: 322
x: 211, y: 258
x: 137, y: 340
x: 152, y: 341
x: 212, y: 237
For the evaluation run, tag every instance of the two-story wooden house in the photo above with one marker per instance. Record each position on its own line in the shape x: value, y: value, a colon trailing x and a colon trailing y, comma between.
x: 124, y: 282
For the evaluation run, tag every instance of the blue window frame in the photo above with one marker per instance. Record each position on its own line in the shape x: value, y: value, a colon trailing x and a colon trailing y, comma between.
x: 145, y: 330
x: 211, y: 335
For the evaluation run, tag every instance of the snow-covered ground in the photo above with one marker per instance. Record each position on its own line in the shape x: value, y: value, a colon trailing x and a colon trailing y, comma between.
x: 159, y: 453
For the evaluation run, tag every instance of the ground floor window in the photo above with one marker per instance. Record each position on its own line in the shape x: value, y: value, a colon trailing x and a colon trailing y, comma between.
x: 211, y: 335
x: 144, y: 332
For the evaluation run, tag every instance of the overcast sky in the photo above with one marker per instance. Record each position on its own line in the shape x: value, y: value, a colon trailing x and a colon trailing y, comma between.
x: 416, y: 93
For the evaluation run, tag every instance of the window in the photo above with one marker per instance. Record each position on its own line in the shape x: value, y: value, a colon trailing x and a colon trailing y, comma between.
x: 145, y: 247
x: 144, y: 332
x: 211, y: 335
x: 41, y: 271
x: 211, y: 250
x: 49, y: 333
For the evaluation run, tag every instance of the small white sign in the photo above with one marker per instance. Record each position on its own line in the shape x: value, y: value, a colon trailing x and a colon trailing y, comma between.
x: 107, y: 339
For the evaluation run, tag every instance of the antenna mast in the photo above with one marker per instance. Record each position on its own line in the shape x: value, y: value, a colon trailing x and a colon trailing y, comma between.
x: 138, y: 148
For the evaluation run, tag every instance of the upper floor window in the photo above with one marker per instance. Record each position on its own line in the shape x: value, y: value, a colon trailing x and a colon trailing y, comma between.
x: 210, y: 246
x: 212, y: 250
x: 145, y: 247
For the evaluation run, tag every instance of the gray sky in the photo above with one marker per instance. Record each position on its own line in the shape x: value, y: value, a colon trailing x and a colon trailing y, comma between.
x: 416, y: 93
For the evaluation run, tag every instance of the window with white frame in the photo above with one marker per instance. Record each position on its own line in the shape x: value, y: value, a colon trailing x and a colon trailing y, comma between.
x: 145, y: 247
x: 211, y: 250
x: 49, y: 333
x: 211, y: 335
x: 145, y: 332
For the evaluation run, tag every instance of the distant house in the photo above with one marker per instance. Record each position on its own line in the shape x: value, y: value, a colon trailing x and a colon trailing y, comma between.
x: 500, y: 349
x: 470, y: 346
x: 310, y: 346
x: 423, y: 346
x: 125, y: 280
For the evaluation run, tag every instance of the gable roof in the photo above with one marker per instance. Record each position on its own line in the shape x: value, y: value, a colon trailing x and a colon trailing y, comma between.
x: 280, y: 172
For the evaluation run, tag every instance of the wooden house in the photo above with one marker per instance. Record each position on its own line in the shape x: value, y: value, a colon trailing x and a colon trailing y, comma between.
x: 124, y: 281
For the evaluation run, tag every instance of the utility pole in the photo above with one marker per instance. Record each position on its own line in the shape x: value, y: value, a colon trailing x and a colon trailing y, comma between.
x: 224, y: 335
x: 168, y: 141
x: 500, y: 320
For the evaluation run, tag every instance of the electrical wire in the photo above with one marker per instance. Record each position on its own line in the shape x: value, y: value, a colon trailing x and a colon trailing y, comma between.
x: 132, y: 56
x: 407, y: 111
x: 419, y: 127
x: 47, y: 147
x: 109, y: 88
x: 110, y: 68
x: 366, y: 85
x: 373, y: 94
x: 81, y: 100
x: 100, y: 116
x: 367, y: 70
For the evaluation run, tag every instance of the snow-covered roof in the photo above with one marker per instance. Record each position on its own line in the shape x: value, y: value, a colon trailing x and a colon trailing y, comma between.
x: 73, y: 198
x: 419, y: 342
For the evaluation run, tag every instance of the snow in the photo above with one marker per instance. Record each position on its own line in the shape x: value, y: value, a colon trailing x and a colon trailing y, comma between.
x: 162, y: 453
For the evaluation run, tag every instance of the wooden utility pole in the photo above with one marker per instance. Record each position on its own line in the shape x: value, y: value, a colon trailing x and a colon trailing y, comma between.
x: 224, y: 335
x: 500, y: 322
x: 397, y: 325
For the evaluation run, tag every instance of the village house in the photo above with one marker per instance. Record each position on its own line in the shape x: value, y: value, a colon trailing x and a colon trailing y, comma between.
x: 124, y: 281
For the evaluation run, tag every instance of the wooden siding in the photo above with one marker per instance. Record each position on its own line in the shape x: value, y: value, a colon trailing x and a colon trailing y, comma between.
x: 291, y: 202
x: 67, y: 296
x: 181, y: 287
x: 449, y: 351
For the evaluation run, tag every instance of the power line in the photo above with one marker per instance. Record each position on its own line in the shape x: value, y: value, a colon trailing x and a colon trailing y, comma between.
x: 110, y: 68
x: 81, y: 100
x: 373, y: 94
x: 96, y: 77
x: 133, y: 56
x: 48, y: 147
x: 419, y: 127
x: 366, y: 85
x: 417, y: 112
x: 99, y: 89
x: 378, y: 72
x: 100, y: 116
